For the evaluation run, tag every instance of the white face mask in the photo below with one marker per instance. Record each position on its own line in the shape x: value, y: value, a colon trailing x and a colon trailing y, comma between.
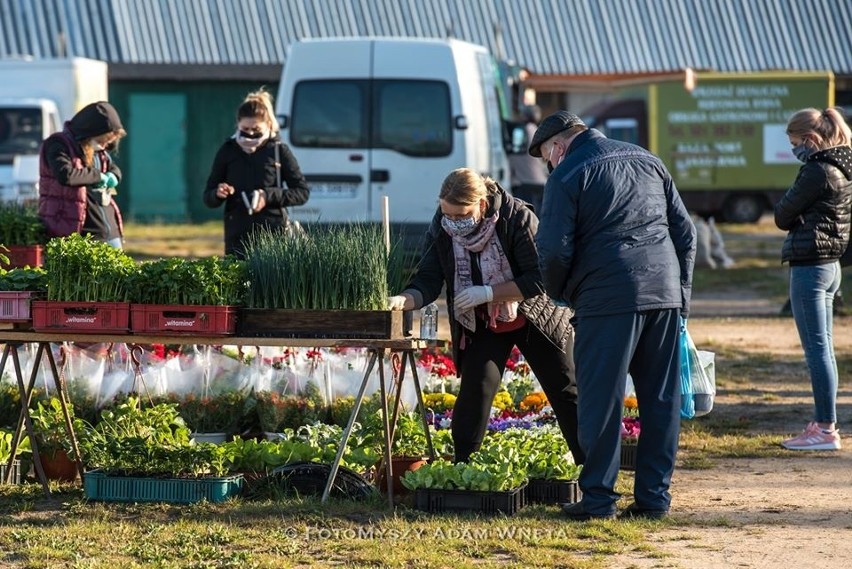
x: 249, y: 144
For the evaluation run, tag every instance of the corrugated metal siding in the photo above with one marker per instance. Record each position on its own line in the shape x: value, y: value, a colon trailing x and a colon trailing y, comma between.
x: 574, y: 37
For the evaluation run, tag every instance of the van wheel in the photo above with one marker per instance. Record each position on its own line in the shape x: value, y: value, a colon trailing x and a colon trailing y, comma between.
x: 743, y: 209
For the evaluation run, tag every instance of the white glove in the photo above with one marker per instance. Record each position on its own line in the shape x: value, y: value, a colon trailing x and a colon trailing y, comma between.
x: 396, y: 302
x: 473, y: 296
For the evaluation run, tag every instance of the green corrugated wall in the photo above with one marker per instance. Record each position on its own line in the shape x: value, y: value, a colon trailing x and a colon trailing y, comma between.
x: 210, y: 117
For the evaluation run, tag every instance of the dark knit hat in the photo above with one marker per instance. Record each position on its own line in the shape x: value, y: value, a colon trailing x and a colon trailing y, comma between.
x: 95, y: 119
x: 551, y: 126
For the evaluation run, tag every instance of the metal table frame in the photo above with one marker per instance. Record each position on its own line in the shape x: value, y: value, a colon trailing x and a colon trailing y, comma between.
x: 378, y: 349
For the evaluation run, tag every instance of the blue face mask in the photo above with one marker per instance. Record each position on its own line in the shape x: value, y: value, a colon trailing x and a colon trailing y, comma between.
x: 460, y: 227
x: 802, y: 152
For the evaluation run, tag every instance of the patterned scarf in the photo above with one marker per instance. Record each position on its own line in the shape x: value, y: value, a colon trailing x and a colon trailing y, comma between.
x: 493, y: 264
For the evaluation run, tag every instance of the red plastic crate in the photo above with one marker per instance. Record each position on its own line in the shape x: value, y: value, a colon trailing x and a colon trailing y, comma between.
x: 81, y: 317
x: 23, y: 255
x: 15, y: 306
x: 184, y: 320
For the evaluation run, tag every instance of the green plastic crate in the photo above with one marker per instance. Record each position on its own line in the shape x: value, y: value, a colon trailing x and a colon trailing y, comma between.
x: 99, y: 486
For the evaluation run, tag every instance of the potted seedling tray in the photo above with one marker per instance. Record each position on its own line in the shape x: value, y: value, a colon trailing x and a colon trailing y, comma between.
x: 436, y: 501
x: 628, y: 456
x: 182, y: 319
x: 541, y: 491
x: 100, y: 486
x: 81, y: 317
x: 291, y: 323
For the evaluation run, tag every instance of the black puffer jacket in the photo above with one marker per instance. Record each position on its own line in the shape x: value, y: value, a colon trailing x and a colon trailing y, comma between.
x: 246, y: 173
x: 516, y: 230
x: 815, y: 210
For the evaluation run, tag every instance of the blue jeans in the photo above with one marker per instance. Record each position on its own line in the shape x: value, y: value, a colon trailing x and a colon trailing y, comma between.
x: 116, y: 243
x: 812, y: 289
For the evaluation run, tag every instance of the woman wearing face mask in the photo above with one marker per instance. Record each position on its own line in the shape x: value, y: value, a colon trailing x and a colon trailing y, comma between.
x: 815, y: 213
x: 78, y: 179
x: 255, y: 175
x: 481, y: 246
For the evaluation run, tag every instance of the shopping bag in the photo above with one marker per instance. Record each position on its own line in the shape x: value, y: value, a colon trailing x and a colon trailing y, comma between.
x: 687, y: 401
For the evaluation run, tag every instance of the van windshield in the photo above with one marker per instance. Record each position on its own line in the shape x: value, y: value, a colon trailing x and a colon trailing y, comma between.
x: 409, y: 116
x: 20, y: 132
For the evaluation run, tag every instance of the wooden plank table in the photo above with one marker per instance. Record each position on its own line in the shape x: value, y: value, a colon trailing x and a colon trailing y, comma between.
x: 378, y: 349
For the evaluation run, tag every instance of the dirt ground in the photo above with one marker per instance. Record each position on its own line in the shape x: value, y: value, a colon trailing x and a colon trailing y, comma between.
x: 789, y: 511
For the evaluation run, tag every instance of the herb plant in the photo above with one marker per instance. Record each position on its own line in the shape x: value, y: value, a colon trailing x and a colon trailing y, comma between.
x: 176, y: 281
x: 19, y: 280
x: 153, y: 441
x: 82, y: 269
x: 343, y: 267
x: 20, y: 225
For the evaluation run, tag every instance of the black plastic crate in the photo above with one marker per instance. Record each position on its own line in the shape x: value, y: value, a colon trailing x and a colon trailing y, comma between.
x: 628, y: 456
x: 541, y: 491
x: 437, y: 501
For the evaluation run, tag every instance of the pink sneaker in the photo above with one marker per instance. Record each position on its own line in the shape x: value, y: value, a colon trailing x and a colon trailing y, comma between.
x: 814, y: 438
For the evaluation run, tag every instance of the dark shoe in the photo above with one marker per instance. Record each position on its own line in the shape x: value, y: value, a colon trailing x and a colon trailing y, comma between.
x: 633, y: 512
x: 576, y: 512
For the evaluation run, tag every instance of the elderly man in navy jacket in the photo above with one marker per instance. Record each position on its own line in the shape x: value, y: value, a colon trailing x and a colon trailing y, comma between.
x: 616, y: 243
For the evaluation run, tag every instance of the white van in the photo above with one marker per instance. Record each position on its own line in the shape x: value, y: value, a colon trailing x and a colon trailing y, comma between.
x: 374, y: 117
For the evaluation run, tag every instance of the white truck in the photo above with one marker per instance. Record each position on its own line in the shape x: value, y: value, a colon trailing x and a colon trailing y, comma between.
x: 374, y: 117
x: 36, y: 97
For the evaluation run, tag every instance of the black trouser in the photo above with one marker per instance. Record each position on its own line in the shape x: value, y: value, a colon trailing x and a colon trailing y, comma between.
x: 483, y: 361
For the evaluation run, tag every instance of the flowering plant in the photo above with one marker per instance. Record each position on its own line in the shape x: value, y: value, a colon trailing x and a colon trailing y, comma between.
x: 533, y: 402
x: 439, y: 402
x: 218, y: 413
x: 502, y: 401
x: 630, y: 426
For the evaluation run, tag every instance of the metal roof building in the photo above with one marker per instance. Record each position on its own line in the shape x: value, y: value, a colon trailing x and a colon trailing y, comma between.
x: 549, y: 37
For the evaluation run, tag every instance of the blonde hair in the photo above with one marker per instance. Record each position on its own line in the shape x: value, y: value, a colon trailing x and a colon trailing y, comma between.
x: 88, y: 146
x: 828, y: 127
x: 463, y: 186
x: 258, y: 105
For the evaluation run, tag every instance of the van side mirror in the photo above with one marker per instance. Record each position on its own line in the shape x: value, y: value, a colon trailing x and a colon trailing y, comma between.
x: 283, y: 121
x: 461, y: 122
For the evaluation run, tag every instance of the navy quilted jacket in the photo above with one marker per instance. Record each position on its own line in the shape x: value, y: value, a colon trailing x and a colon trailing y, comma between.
x: 614, y: 235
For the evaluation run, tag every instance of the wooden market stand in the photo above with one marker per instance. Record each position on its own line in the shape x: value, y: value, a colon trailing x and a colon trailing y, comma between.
x: 379, y: 350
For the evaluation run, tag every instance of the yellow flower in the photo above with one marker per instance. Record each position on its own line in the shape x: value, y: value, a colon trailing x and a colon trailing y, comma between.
x: 502, y: 400
x: 631, y: 406
x: 439, y: 402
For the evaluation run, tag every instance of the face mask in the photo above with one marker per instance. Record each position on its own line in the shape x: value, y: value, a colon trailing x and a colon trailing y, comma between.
x: 250, y: 141
x: 550, y: 166
x: 802, y: 152
x: 251, y: 135
x: 460, y: 227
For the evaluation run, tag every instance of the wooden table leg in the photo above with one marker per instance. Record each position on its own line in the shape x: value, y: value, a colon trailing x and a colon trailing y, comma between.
x: 24, y: 420
x: 356, y: 407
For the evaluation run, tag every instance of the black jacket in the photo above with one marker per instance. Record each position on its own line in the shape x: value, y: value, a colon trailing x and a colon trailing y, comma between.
x: 516, y: 230
x: 246, y: 173
x: 614, y: 236
x: 815, y: 210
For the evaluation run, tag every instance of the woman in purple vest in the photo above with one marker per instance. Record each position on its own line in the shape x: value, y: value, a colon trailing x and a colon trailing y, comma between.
x: 77, y: 177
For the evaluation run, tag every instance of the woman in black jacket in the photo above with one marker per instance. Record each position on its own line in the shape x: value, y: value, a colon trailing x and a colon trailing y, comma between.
x: 255, y: 175
x: 815, y: 213
x: 481, y: 245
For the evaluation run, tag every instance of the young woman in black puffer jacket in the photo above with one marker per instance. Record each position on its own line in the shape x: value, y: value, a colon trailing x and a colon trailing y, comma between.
x: 815, y: 213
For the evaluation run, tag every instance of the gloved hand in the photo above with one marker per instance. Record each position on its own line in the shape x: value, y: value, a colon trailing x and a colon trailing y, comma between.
x: 473, y: 296
x: 101, y: 184
x: 109, y: 180
x: 396, y: 302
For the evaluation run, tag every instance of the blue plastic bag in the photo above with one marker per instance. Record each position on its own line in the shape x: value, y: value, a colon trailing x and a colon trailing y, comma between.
x: 687, y: 401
